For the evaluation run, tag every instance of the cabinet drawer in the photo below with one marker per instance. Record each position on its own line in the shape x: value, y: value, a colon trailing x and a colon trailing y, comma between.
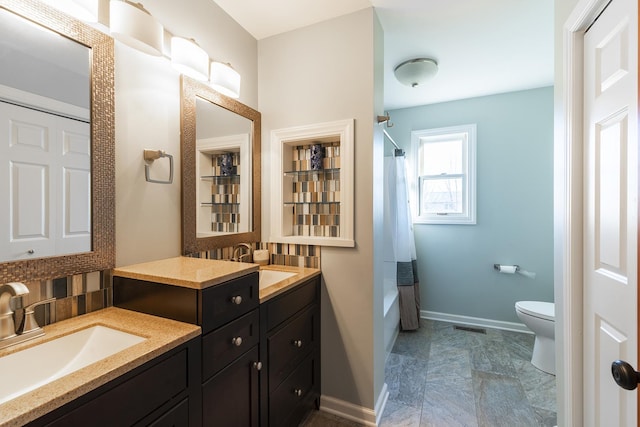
x: 134, y: 398
x: 293, y: 393
x: 288, y: 345
x: 221, y: 346
x: 225, y: 302
x: 286, y: 305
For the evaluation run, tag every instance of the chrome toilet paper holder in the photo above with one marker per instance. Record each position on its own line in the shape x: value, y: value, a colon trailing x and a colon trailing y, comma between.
x: 497, y: 267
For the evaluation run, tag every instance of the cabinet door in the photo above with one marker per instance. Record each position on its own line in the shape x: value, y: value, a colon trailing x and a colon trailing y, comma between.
x: 230, y: 398
x: 178, y: 416
x: 289, y: 344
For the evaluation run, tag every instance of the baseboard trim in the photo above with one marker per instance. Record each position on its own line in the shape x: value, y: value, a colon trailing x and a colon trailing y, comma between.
x: 359, y: 414
x: 475, y: 321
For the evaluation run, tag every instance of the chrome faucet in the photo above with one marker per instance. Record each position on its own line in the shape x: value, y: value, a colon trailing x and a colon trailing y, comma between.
x: 242, y: 252
x: 8, y: 291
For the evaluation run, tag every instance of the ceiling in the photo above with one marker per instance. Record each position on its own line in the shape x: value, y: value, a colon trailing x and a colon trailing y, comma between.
x: 482, y: 46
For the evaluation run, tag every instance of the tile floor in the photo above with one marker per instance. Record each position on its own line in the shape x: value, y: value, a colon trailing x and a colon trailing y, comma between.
x: 440, y: 376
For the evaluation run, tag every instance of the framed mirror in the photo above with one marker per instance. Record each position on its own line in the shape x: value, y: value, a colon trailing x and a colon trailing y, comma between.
x: 57, y: 144
x: 220, y: 151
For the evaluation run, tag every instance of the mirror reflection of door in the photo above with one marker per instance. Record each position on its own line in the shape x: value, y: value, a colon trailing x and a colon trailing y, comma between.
x: 45, y: 142
x: 223, y: 171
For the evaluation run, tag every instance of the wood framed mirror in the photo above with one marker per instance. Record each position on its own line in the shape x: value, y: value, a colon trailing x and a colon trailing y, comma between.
x: 68, y: 201
x: 220, y: 152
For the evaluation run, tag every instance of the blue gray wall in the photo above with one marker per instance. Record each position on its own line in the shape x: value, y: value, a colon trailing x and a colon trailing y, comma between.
x: 514, y: 207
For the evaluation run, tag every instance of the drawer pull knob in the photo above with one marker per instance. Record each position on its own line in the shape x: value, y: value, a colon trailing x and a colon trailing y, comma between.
x: 297, y: 343
x: 257, y: 366
x: 297, y: 392
x: 237, y: 341
x: 237, y: 300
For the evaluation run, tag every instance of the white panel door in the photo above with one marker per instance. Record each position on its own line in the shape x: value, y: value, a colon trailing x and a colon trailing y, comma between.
x: 611, y: 205
x: 46, y: 177
x: 27, y: 183
x: 74, y: 209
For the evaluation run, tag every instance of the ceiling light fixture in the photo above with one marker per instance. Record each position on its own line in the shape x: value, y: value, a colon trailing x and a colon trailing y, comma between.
x: 225, y: 79
x: 415, y: 72
x: 133, y: 25
x: 189, y: 58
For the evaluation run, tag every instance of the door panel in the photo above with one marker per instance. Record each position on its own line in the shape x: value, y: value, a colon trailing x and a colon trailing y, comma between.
x: 46, y: 182
x: 611, y: 204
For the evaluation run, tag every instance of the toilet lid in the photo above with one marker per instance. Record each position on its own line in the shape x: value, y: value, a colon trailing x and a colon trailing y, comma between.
x: 543, y: 310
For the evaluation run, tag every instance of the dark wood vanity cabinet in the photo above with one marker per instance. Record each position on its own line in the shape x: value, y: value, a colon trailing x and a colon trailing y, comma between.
x: 260, y: 363
x: 229, y: 316
x: 290, y: 352
x: 161, y: 392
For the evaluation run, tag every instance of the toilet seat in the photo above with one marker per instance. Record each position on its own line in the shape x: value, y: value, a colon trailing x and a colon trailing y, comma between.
x: 539, y: 309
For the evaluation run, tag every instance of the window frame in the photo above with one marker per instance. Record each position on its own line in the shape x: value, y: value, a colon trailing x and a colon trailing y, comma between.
x: 468, y: 175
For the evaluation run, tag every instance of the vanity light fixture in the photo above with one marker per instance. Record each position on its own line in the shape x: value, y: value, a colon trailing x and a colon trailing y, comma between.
x: 133, y: 25
x: 225, y: 79
x: 84, y: 10
x: 189, y: 58
x: 415, y: 72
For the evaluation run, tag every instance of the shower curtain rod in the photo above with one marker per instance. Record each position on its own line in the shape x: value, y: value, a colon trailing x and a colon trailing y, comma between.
x: 399, y: 151
x: 391, y: 139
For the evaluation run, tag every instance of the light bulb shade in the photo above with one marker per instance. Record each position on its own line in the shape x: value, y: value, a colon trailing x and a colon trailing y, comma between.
x: 135, y: 27
x: 225, y: 79
x: 84, y: 10
x: 415, y: 72
x: 189, y: 58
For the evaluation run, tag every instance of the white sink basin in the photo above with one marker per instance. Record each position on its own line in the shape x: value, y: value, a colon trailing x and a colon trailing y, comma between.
x: 269, y: 277
x: 36, y: 366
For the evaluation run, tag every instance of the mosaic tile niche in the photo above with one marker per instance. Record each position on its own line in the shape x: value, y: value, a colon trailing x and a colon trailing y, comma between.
x: 315, y: 192
x: 312, y: 189
x: 222, y: 179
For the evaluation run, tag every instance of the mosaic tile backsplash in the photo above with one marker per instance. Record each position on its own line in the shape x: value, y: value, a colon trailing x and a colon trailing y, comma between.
x: 75, y: 295
x: 279, y: 254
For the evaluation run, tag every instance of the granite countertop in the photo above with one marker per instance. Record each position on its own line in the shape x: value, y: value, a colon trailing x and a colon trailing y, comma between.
x: 188, y: 272
x: 161, y: 336
x: 199, y: 273
x: 301, y: 276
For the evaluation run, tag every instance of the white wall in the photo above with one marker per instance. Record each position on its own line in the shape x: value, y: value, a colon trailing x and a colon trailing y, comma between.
x: 324, y: 72
x: 148, y: 216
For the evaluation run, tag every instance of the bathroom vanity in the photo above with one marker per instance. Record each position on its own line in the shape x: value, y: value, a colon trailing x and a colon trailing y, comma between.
x: 150, y: 380
x: 260, y: 361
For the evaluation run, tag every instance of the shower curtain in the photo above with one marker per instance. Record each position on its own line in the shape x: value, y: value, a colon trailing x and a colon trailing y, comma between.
x: 401, y: 235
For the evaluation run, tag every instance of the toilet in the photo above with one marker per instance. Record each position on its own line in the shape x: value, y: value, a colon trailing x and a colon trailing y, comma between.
x: 540, y: 318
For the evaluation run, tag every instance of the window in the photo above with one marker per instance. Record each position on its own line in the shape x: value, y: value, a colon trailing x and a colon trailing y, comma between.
x: 444, y: 165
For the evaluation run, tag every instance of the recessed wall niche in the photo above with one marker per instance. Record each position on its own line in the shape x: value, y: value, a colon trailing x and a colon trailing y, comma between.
x: 223, y: 192
x: 313, y: 183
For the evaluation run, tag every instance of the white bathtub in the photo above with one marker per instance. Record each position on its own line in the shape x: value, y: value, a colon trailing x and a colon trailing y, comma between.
x: 391, y: 308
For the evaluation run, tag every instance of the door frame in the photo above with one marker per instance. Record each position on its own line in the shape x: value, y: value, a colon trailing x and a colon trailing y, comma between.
x: 568, y: 220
